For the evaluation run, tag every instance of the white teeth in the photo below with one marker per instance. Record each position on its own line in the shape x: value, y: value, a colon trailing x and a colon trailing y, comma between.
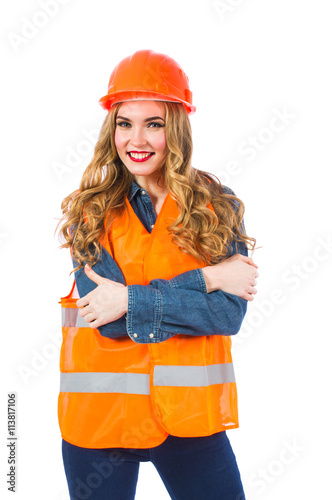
x: 139, y: 156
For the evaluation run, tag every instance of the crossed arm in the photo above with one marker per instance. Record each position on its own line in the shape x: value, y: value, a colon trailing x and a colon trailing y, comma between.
x: 207, y: 301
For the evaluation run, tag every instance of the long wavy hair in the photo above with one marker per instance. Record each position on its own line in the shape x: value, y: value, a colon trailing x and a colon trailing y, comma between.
x: 89, y: 211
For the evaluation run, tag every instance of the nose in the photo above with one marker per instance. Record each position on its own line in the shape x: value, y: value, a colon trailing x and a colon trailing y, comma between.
x: 138, y: 137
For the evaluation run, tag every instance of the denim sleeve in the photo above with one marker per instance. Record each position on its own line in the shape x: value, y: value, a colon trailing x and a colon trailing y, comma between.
x: 108, y: 268
x: 163, y: 307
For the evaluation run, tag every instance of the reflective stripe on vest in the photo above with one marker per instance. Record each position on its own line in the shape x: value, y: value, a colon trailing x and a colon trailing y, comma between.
x: 72, y: 318
x: 193, y: 376
x: 138, y: 383
x: 124, y: 383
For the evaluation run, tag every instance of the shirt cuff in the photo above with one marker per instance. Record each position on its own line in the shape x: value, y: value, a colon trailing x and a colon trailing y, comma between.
x: 144, y: 328
x: 190, y: 280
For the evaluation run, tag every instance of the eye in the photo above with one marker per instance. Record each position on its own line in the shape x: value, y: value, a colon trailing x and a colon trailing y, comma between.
x: 156, y: 125
x: 123, y: 124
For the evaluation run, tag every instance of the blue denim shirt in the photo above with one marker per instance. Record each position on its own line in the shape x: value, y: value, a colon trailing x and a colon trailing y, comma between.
x: 164, y: 308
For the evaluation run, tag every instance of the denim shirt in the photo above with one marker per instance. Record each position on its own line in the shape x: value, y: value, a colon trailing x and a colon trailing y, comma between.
x: 164, y: 308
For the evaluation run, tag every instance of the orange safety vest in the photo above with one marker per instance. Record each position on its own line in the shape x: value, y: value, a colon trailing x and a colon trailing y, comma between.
x: 119, y: 393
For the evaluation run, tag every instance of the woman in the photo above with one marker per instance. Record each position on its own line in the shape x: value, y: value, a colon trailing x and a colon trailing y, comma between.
x: 146, y: 367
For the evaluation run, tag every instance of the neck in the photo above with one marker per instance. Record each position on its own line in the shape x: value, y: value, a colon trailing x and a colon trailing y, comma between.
x: 156, y: 191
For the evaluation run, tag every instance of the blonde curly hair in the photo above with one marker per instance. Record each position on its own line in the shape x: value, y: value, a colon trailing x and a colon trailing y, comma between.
x: 89, y: 211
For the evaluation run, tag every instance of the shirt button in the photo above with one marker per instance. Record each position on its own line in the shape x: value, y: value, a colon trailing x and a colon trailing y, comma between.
x: 151, y: 335
x: 135, y: 335
x: 152, y: 225
x: 143, y: 192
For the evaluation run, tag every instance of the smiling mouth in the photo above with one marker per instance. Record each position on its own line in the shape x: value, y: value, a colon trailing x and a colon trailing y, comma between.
x: 139, y: 156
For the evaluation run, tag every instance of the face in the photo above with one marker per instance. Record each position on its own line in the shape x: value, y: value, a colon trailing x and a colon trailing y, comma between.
x: 140, y: 137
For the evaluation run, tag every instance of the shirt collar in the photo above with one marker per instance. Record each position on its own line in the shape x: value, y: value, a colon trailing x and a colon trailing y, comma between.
x: 133, y: 190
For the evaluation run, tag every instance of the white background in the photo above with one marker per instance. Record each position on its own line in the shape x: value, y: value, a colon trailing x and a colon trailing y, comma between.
x: 247, y: 62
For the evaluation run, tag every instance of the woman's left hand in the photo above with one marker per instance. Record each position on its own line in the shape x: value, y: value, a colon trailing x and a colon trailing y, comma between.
x: 108, y: 302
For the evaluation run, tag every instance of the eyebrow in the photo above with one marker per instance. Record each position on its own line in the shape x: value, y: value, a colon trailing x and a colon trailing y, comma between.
x: 147, y: 119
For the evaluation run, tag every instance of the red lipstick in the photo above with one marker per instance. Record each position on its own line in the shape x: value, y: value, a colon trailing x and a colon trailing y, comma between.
x: 148, y: 153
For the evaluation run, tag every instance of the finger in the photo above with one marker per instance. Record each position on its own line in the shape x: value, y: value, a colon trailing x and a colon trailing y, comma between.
x: 248, y: 260
x: 92, y: 275
x: 95, y: 324
x: 250, y: 294
x: 90, y: 318
x: 251, y: 262
x: 84, y: 311
x: 83, y: 301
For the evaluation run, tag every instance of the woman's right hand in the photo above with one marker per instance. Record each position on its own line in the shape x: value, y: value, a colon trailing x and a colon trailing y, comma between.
x: 236, y: 275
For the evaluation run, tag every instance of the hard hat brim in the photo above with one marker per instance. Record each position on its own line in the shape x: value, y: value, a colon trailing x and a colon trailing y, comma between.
x: 108, y: 101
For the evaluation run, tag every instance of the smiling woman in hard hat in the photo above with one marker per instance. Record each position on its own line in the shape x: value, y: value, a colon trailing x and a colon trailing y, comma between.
x: 163, y: 275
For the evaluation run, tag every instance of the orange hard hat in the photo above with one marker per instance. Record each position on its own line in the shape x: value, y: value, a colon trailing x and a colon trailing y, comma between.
x: 148, y: 75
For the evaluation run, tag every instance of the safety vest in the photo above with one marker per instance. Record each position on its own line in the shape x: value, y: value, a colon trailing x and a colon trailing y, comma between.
x: 119, y: 393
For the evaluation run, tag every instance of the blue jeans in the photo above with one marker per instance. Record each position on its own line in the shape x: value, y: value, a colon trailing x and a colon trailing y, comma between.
x: 201, y: 468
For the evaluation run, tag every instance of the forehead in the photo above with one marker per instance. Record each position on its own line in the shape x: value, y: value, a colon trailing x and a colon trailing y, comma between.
x: 144, y: 108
